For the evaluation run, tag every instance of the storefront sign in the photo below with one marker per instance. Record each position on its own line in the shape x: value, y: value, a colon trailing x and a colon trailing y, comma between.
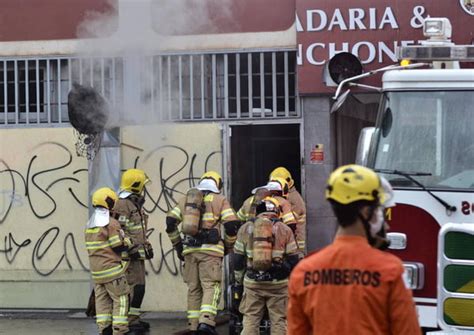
x: 369, y: 29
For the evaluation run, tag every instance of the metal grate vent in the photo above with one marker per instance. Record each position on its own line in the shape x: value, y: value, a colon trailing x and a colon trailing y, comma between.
x: 215, y: 86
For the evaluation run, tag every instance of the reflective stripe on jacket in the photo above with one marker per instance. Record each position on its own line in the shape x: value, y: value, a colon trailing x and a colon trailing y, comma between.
x: 283, y: 245
x: 105, y: 264
x: 217, y: 212
x: 299, y: 208
x: 287, y: 215
x: 134, y: 222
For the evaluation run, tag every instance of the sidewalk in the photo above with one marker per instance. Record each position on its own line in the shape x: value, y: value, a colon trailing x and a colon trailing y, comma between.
x: 53, y: 322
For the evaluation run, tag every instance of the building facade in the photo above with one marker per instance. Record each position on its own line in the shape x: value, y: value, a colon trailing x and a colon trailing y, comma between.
x: 236, y: 86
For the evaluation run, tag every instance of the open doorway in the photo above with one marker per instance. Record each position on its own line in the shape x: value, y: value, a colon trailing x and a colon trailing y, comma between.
x: 256, y: 150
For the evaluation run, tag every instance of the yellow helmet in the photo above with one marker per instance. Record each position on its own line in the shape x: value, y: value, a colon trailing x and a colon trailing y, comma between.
x: 351, y: 183
x: 133, y: 180
x: 104, y: 197
x: 213, y: 175
x: 282, y: 185
x: 281, y: 172
x: 269, y: 204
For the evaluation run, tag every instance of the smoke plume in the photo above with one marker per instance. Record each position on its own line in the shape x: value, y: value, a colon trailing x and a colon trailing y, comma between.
x: 121, y: 49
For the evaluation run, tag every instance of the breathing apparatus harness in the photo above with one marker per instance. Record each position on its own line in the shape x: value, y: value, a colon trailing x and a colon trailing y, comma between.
x: 279, y: 269
x: 204, y: 236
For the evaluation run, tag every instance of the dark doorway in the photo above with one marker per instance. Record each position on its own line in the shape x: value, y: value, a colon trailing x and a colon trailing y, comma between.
x: 256, y: 150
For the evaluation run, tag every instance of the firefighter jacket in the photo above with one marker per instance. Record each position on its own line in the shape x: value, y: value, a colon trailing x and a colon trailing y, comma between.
x: 134, y: 222
x: 216, y: 214
x: 105, y: 262
x: 284, y: 246
x: 350, y: 287
x: 245, y: 213
x: 299, y: 208
x: 288, y: 216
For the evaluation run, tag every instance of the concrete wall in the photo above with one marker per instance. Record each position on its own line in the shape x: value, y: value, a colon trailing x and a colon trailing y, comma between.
x: 318, y: 129
x: 43, y: 210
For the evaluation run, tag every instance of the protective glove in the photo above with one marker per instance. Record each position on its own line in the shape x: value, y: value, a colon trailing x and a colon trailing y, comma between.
x: 210, y: 236
x: 134, y: 256
x: 149, y: 254
x: 280, y: 270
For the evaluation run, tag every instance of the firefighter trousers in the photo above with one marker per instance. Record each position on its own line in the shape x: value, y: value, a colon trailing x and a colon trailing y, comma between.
x: 111, y: 303
x: 136, y: 280
x: 252, y: 306
x: 203, y: 275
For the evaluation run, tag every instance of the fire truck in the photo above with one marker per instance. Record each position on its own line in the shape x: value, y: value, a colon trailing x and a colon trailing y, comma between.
x: 423, y: 144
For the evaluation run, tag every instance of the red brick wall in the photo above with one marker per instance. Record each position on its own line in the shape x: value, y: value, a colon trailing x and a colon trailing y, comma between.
x: 26, y: 20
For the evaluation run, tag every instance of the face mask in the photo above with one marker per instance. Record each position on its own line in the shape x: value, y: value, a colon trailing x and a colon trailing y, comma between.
x: 377, y: 221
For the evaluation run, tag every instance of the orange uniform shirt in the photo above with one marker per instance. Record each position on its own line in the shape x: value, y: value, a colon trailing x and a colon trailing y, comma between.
x: 350, y: 288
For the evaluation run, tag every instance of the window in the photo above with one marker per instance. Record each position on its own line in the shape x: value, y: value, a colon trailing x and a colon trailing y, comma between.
x: 212, y: 86
x: 22, y: 91
x: 428, y: 132
x: 225, y: 86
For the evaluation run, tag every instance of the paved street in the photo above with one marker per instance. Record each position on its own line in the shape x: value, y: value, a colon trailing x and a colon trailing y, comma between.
x: 74, y: 324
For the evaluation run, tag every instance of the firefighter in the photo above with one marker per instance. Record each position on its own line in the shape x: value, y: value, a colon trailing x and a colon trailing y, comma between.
x: 264, y: 255
x: 105, y: 241
x: 203, y: 212
x: 134, y: 221
x: 276, y: 187
x: 350, y: 287
x: 297, y: 205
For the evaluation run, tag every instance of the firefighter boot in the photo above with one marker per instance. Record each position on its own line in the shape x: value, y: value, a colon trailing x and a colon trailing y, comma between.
x: 205, y: 329
x: 107, y: 331
x: 134, y: 332
x: 138, y: 327
x: 144, y: 324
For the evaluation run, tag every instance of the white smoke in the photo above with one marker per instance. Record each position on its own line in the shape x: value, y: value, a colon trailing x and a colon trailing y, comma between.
x: 133, y: 33
x: 99, y: 24
x: 175, y: 17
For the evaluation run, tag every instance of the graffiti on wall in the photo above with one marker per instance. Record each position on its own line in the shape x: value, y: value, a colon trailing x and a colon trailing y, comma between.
x: 174, y: 157
x: 38, y: 197
x: 44, y: 200
x: 26, y: 191
x: 173, y: 180
x: 32, y: 192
